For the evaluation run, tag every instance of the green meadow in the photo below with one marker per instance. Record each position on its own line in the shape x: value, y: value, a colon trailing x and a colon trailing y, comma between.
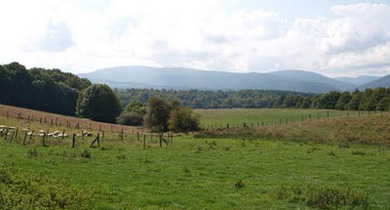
x: 236, y: 117
x: 200, y: 172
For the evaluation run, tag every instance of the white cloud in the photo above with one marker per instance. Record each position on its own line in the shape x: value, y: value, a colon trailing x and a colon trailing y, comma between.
x: 85, y: 35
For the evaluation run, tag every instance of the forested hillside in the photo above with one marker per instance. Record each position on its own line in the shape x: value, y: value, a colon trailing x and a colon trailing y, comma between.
x: 370, y: 99
x: 40, y: 89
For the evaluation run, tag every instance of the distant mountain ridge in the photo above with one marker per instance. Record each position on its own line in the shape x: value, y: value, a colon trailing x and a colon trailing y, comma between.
x: 361, y: 80
x: 380, y: 82
x: 184, y: 78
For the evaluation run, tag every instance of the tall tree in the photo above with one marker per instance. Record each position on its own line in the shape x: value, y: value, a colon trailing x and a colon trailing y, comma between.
x: 157, y: 114
x: 98, y: 102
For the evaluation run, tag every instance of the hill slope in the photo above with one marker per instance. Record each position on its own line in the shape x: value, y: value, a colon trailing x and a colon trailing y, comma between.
x: 183, y: 78
x: 361, y: 80
x: 381, y: 82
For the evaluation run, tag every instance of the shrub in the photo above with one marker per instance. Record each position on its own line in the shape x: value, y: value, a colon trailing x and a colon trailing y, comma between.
x: 130, y: 118
x: 36, y: 191
x: 182, y: 119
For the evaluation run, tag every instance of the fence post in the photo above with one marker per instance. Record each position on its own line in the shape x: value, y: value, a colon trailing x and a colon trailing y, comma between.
x: 74, y: 141
x: 122, y: 134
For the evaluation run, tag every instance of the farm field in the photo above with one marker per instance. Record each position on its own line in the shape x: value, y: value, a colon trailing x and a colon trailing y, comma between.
x: 58, y: 120
x: 257, y: 172
x: 236, y: 117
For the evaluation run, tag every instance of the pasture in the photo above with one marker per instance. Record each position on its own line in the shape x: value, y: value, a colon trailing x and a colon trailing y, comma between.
x: 236, y: 117
x: 215, y: 172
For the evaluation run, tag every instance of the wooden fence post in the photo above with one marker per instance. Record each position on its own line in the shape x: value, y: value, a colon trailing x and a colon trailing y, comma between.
x: 43, y: 140
x: 16, y: 133
x: 97, y: 139
x: 144, y: 141
x: 161, y: 136
x: 74, y: 141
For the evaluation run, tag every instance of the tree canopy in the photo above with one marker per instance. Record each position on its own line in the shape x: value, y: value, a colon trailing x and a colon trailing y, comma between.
x: 98, y: 102
x: 40, y: 89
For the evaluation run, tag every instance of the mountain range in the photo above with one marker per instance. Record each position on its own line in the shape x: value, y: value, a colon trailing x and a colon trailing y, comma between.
x: 184, y: 78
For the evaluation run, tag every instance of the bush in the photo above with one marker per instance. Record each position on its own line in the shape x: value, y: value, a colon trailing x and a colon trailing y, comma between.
x: 182, y: 119
x: 130, y: 118
x: 35, y: 191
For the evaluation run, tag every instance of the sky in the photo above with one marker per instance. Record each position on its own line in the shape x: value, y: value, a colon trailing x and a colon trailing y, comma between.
x: 331, y: 37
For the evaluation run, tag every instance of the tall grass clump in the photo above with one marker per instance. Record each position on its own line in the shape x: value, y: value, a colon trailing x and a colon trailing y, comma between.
x: 323, y: 197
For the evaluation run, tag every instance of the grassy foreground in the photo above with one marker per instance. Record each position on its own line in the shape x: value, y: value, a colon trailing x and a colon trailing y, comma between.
x: 207, y: 173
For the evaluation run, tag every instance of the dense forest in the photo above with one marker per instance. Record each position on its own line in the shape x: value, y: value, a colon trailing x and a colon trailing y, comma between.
x: 40, y: 89
x: 370, y: 99
x: 206, y: 99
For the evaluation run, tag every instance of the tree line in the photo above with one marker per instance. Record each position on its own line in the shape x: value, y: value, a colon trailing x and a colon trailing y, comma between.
x: 41, y: 89
x: 369, y: 99
x: 51, y: 90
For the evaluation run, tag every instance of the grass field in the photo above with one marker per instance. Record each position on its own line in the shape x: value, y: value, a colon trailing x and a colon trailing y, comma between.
x: 257, y: 172
x: 236, y: 117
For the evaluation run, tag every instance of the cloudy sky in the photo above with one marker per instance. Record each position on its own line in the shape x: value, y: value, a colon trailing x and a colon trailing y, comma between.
x: 332, y: 37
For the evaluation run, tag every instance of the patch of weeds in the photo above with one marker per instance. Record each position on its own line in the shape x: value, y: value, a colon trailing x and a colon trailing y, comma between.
x: 344, y: 145
x: 313, y: 149
x: 323, y: 197
x: 106, y: 148
x: 239, y: 184
x: 32, y: 153
x: 199, y: 149
x: 186, y: 170
x: 37, y: 191
x: 226, y: 148
x: 121, y: 149
x: 144, y: 160
x: 331, y: 153
x: 121, y: 157
x: 243, y: 144
x: 86, y: 154
x: 357, y: 152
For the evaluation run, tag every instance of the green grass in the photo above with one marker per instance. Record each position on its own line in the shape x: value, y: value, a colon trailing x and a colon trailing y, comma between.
x: 203, y: 173
x: 217, y: 173
x: 236, y: 117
